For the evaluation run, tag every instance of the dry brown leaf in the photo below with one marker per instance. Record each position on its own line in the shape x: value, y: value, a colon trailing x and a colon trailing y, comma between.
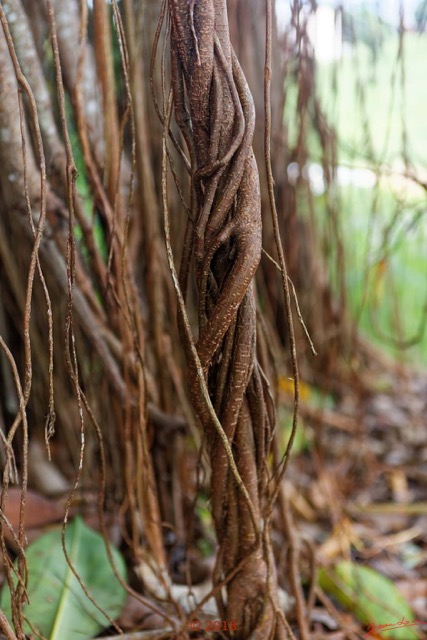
x: 39, y: 511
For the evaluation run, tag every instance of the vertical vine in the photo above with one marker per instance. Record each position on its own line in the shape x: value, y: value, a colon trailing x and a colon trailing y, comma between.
x: 222, y: 247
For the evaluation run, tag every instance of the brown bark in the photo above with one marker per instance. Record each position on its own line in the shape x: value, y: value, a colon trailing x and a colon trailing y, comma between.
x: 124, y: 416
x: 105, y: 69
x: 215, y: 111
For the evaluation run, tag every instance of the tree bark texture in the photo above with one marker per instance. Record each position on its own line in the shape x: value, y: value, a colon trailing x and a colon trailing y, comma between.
x: 109, y: 352
x: 222, y: 248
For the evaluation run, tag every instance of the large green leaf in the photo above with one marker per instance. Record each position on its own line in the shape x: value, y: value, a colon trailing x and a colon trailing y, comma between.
x: 373, y: 598
x: 58, y: 607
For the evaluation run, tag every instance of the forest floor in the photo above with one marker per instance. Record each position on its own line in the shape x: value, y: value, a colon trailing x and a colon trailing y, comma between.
x: 359, y: 492
x: 357, y: 489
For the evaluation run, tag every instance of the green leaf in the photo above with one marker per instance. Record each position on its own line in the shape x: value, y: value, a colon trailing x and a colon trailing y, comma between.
x: 58, y: 606
x: 373, y: 599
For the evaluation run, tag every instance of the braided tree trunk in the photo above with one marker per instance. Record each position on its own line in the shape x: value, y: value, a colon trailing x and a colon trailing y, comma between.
x: 215, y: 112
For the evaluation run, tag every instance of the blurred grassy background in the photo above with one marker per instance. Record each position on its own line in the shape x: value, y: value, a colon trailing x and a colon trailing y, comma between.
x: 377, y: 103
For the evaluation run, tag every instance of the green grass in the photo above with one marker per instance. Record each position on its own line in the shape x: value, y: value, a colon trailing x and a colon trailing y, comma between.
x: 385, y: 228
x: 386, y: 270
x: 368, y: 105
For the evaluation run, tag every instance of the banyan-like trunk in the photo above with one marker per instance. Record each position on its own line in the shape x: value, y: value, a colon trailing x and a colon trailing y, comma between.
x: 106, y: 319
x: 215, y: 112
